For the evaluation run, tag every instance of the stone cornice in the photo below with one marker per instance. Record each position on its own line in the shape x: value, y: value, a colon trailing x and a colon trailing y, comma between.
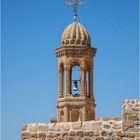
x: 75, y: 51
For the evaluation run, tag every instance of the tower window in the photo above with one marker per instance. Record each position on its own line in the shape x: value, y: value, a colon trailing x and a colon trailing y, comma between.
x: 75, y: 80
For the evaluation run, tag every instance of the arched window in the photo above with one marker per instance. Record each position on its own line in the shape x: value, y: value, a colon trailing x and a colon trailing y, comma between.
x: 75, y: 80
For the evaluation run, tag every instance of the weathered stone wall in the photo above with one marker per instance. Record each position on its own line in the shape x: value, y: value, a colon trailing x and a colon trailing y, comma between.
x: 131, y: 118
x: 126, y: 128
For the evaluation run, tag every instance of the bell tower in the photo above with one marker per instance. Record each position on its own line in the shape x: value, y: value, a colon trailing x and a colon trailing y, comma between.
x: 75, y: 73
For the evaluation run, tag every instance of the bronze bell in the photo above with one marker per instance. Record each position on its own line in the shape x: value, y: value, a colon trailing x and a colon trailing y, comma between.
x: 75, y: 88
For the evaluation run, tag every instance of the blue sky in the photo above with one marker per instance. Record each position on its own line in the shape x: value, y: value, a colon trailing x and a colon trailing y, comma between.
x: 32, y: 29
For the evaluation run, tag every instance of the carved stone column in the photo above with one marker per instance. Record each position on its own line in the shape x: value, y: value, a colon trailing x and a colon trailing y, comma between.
x: 60, y: 83
x: 91, y: 83
x: 83, y: 81
x: 68, y: 80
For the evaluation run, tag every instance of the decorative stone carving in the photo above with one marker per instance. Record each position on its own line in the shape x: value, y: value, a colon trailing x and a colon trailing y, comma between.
x: 75, y: 51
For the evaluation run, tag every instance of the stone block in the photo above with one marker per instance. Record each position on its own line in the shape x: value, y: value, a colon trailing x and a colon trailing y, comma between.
x: 59, y: 138
x: 76, y: 125
x: 68, y: 138
x: 129, y: 135
x: 86, y: 126
x: 85, y: 138
x: 80, y: 133
x: 117, y: 126
x: 56, y: 134
x: 24, y: 127
x: 118, y: 138
x: 89, y: 133
x: 25, y: 135
x: 52, y: 127
x: 119, y: 133
x: 99, y: 138
x: 105, y: 126
x: 77, y: 138
x: 65, y: 134
x: 128, y: 123
x: 97, y: 125
x: 41, y: 135
x: 33, y: 135
x: 72, y: 133
x: 43, y: 128
x: 104, y: 133
x: 137, y: 134
x: 32, y: 128
x: 65, y: 127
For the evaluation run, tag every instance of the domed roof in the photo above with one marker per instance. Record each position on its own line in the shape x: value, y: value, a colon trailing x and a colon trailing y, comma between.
x: 75, y: 35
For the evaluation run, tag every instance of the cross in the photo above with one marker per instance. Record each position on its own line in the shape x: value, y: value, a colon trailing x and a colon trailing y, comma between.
x: 75, y: 3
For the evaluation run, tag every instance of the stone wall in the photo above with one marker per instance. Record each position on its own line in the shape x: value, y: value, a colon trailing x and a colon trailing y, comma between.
x: 126, y: 128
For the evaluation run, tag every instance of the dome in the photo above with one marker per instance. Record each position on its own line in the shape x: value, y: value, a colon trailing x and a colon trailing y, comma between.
x: 75, y: 35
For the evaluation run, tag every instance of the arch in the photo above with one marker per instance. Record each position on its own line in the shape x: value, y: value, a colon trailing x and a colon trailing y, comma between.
x: 61, y: 67
x: 61, y: 62
x: 89, y: 64
x: 78, y: 41
x: 75, y: 115
x: 74, y: 61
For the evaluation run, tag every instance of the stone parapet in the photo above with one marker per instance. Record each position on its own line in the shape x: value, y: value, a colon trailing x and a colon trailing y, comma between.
x: 72, y: 130
x: 125, y: 128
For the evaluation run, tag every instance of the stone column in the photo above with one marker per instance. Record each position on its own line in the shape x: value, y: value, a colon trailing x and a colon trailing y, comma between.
x: 83, y: 81
x: 60, y: 83
x: 66, y: 114
x: 91, y: 83
x: 68, y: 81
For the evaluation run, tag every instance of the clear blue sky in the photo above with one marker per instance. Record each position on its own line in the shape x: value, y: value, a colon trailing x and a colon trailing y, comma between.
x: 32, y: 29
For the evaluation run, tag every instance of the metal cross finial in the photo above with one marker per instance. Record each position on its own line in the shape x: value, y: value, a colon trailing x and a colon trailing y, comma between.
x: 75, y: 3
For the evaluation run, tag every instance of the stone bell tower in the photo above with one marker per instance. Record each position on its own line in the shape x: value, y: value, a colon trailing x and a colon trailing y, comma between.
x: 75, y: 96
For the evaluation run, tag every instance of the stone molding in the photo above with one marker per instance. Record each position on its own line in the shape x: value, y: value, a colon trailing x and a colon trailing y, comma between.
x: 75, y: 51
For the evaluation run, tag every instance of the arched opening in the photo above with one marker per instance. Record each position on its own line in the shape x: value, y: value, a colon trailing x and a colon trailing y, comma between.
x: 75, y: 115
x: 75, y: 80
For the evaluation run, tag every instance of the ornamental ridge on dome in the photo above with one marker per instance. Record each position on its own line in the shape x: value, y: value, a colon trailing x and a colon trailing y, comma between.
x: 75, y: 35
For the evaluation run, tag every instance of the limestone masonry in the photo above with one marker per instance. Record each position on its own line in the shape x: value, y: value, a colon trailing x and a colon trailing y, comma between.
x: 125, y: 128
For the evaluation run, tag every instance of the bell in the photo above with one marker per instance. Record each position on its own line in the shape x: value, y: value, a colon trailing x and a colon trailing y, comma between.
x: 75, y: 88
